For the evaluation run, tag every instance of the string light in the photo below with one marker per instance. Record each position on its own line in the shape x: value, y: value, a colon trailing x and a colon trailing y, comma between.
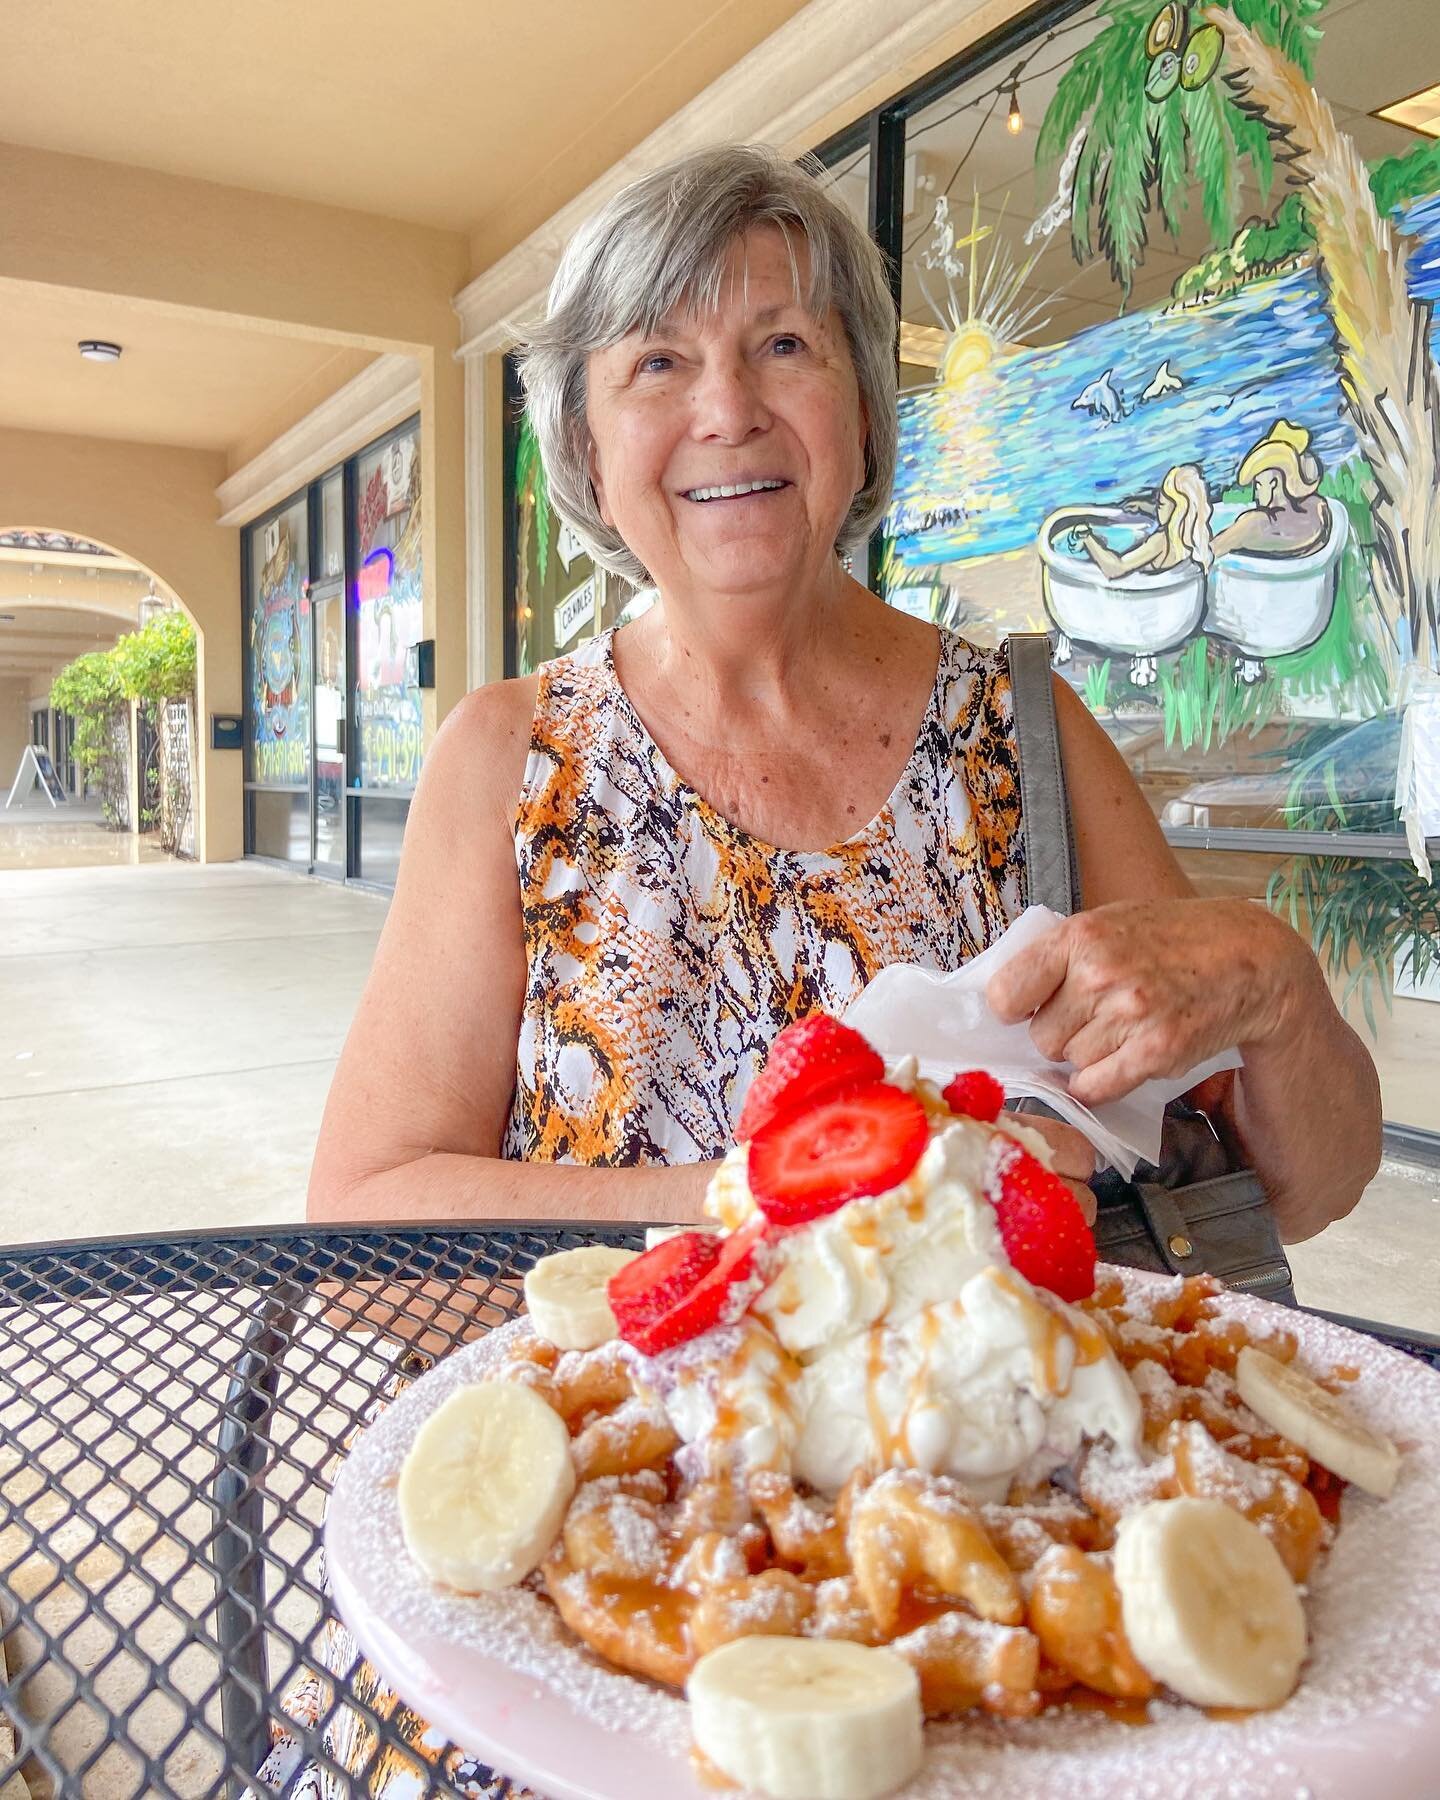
x: 1014, y: 120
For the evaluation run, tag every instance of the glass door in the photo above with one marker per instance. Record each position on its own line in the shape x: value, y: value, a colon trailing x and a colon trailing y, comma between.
x: 327, y: 605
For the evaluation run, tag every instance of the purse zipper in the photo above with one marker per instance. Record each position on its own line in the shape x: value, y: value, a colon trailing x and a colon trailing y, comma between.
x: 1267, y: 1278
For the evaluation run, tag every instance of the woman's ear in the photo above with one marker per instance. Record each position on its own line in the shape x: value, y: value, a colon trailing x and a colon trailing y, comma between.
x: 592, y: 462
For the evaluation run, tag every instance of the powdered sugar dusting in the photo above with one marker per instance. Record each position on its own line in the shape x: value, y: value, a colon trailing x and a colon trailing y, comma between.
x: 516, y: 1627
x: 1373, y: 1608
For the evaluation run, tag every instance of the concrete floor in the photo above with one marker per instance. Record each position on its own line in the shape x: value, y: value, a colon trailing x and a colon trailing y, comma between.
x: 168, y: 1034
x: 36, y: 835
x: 167, y: 1038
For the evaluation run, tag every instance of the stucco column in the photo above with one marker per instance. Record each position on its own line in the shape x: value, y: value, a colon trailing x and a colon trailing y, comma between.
x: 443, y: 476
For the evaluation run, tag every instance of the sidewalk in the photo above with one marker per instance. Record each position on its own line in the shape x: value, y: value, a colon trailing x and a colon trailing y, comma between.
x: 36, y: 835
x: 167, y: 1038
x: 168, y: 1034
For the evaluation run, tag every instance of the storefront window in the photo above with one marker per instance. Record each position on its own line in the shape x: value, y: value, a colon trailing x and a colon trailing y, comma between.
x: 557, y: 597
x: 1137, y: 413
x: 334, y: 612
x: 389, y: 614
x: 278, y: 686
x: 332, y: 526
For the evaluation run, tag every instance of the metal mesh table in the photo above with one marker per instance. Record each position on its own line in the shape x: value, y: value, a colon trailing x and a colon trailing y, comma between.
x: 170, y: 1415
x: 171, y: 1412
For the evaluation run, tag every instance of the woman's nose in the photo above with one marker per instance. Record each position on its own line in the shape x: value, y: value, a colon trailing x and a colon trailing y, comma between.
x: 726, y: 402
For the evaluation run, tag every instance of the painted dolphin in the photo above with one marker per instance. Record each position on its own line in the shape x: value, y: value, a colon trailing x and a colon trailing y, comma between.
x: 1163, y: 381
x: 1100, y: 398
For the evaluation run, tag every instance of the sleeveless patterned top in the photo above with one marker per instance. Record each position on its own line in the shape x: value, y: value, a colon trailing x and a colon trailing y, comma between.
x: 665, y: 948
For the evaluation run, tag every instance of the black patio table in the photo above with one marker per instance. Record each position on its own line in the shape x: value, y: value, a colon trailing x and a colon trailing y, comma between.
x: 171, y: 1411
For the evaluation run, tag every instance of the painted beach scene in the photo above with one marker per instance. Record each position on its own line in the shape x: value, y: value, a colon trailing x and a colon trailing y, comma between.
x: 1170, y: 392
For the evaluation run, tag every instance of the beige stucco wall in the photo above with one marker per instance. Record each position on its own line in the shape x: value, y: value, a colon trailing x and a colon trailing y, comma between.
x: 157, y: 506
x: 76, y: 223
x: 14, y: 727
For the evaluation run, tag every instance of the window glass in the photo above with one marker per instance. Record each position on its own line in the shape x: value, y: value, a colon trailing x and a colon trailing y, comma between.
x: 390, y: 614
x: 558, y: 596
x: 277, y: 651
x: 332, y: 526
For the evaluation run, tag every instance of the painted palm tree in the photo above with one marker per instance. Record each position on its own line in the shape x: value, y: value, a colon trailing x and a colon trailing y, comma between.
x: 532, y: 501
x: 1155, y: 126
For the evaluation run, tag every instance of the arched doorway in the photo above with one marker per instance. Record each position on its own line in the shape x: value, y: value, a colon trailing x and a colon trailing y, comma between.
x: 62, y: 596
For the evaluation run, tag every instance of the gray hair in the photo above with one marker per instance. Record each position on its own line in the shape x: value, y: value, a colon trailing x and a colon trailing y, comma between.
x: 662, y: 244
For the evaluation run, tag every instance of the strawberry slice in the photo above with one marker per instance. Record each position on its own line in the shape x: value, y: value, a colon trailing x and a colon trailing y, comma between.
x: 811, y: 1058
x: 1041, y: 1224
x: 841, y: 1148
x: 975, y: 1094
x: 680, y: 1288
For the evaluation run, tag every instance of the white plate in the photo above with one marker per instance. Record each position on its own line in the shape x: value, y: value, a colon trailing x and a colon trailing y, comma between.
x: 499, y: 1674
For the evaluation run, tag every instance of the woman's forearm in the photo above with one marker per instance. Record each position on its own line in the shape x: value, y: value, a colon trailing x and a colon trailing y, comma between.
x: 1306, y: 1111
x: 444, y: 1186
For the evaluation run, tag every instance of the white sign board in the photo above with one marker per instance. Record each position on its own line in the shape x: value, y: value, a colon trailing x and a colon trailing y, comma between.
x: 35, y: 765
x: 574, y: 610
x: 568, y: 546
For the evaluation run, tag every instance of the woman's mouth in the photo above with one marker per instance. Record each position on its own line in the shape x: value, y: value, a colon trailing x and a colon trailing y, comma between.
x: 739, y: 490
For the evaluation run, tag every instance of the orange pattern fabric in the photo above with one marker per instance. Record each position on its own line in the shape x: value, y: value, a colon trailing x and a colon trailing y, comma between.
x: 666, y: 948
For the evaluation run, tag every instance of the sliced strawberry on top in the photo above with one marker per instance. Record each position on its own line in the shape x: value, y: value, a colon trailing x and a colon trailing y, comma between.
x: 841, y: 1148
x: 811, y: 1058
x: 975, y: 1094
x: 1041, y: 1224
x: 680, y: 1287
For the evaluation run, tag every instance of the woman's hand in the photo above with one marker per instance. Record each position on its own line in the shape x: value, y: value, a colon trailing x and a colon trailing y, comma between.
x: 1071, y: 1155
x: 1136, y: 990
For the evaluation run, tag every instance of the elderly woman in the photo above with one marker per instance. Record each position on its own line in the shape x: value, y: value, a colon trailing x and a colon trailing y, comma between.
x: 624, y: 874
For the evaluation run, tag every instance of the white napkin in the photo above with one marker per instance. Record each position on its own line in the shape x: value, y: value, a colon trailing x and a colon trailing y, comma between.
x: 944, y: 1021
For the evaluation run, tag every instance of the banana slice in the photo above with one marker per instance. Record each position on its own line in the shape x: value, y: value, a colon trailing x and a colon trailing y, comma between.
x: 1323, y: 1427
x: 808, y: 1718
x: 1208, y: 1606
x: 485, y: 1487
x: 565, y: 1296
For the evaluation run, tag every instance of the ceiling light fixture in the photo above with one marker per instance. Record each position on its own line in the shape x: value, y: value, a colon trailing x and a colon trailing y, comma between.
x: 97, y: 350
x: 1418, y: 112
x: 1014, y: 119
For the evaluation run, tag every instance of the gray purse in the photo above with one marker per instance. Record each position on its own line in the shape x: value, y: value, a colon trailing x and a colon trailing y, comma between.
x: 1195, y: 1212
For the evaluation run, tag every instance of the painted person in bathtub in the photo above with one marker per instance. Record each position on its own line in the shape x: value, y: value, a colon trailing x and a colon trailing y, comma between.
x: 1181, y: 534
x: 1286, y: 517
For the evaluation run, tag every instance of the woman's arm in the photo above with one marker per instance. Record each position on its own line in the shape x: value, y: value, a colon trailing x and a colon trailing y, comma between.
x: 418, y: 1105
x: 1112, y: 566
x: 1148, y: 981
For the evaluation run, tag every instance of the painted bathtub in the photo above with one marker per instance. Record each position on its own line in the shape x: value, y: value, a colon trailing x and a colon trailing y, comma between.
x: 1262, y: 605
x: 1142, y: 615
x: 1271, y: 605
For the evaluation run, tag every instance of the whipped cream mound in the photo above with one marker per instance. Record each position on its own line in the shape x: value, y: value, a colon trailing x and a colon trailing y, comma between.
x: 894, y: 1332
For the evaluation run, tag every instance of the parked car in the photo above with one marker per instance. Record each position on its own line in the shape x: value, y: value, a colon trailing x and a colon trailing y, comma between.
x: 1349, y: 782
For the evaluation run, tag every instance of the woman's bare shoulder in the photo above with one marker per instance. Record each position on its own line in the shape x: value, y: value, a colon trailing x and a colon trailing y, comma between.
x: 481, y: 747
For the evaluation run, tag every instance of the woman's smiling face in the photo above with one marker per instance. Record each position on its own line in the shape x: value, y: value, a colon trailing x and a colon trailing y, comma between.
x: 756, y: 395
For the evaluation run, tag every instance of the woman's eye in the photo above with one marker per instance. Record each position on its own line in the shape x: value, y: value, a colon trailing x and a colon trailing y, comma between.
x: 657, y: 362
x: 787, y: 343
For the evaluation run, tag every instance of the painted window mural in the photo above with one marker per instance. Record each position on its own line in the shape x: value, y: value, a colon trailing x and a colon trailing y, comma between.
x: 278, y: 651
x: 1170, y: 394
x: 390, y: 613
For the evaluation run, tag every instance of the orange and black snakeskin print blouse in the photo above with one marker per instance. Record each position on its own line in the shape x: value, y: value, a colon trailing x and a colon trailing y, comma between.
x: 665, y: 948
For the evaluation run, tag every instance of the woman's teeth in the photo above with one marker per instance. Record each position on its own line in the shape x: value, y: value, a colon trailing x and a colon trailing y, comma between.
x: 729, y: 493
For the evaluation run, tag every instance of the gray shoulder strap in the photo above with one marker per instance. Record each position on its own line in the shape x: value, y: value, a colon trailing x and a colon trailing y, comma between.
x: 1052, y: 876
